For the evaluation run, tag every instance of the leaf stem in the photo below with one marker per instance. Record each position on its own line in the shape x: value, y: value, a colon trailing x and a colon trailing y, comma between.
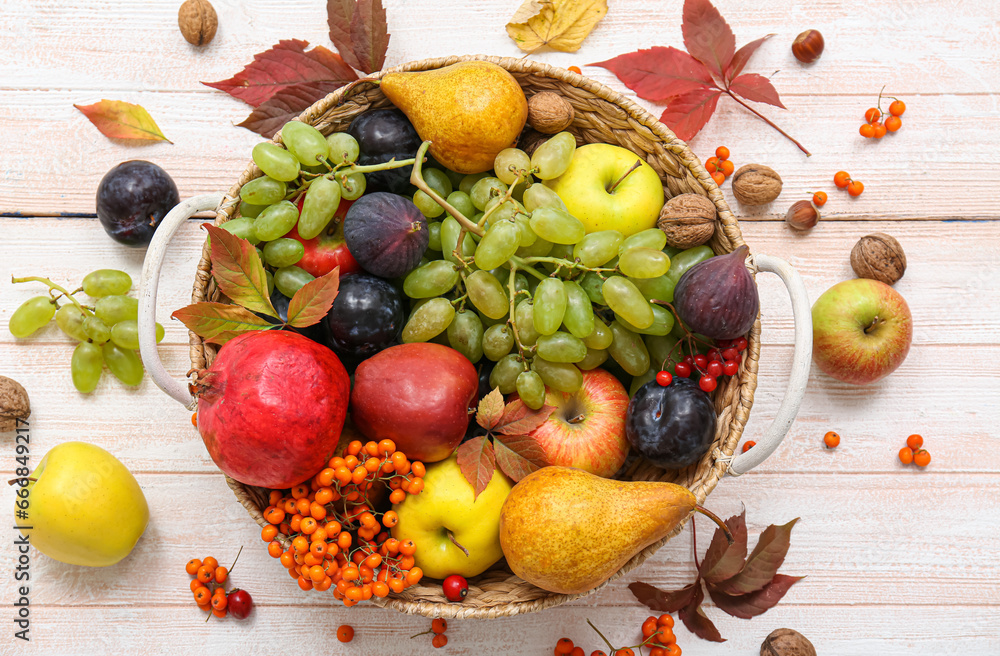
x: 768, y: 121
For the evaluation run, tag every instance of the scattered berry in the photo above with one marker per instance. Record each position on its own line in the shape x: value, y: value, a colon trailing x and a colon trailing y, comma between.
x: 440, y: 640
x: 819, y: 198
x: 576, y: 69
x: 578, y: 651
x: 707, y: 383
x: 897, y: 108
x: 439, y: 625
x: 664, y: 378
x: 855, y: 187
x: 719, y: 178
x: 915, y: 441
x: 345, y: 633
x: 893, y: 123
x: 906, y: 455
x: 564, y: 646
x: 842, y: 179
x: 831, y: 440
x: 873, y: 114
x: 748, y: 445
x: 597, y: 652
x: 723, y: 153
x: 867, y: 130
x: 922, y: 458
x: 879, y: 130
x: 455, y: 587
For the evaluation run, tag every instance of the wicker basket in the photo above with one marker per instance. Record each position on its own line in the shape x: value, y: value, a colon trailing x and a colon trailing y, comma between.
x: 602, y: 116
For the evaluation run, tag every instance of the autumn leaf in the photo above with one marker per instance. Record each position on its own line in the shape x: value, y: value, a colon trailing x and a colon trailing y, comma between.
x: 743, y: 56
x: 723, y: 560
x: 661, y: 601
x: 559, y: 24
x: 687, y: 114
x: 518, y: 455
x: 338, y: 18
x: 477, y: 462
x: 122, y: 120
x: 313, y: 300
x: 756, y: 88
x: 369, y: 35
x: 490, y: 409
x: 522, y: 420
x: 696, y: 621
x: 219, y: 322
x: 754, y: 603
x: 272, y: 115
x: 763, y: 563
x: 238, y: 271
x: 659, y: 74
x: 707, y: 36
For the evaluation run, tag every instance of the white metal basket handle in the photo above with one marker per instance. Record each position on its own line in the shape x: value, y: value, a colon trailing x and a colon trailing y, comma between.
x: 147, y: 294
x: 801, y: 360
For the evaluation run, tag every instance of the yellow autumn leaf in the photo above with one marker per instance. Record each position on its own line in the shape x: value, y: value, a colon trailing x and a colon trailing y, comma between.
x: 122, y: 120
x: 558, y: 24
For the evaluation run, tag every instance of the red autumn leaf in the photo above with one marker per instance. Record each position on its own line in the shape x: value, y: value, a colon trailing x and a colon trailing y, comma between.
x: 724, y: 560
x: 122, y: 120
x: 369, y: 35
x: 743, y: 56
x: 477, y: 462
x: 287, y: 65
x: 518, y: 455
x: 338, y: 17
x: 763, y: 563
x: 687, y: 114
x: 270, y: 116
x: 756, y: 88
x: 754, y: 603
x: 707, y: 35
x: 219, y: 322
x: 696, y: 621
x: 313, y: 300
x: 661, y: 601
x: 517, y: 422
x: 659, y: 74
x: 238, y: 271
x: 490, y: 409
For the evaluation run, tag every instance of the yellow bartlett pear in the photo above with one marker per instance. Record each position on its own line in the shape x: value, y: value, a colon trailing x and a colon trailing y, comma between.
x: 469, y: 111
x: 568, y: 531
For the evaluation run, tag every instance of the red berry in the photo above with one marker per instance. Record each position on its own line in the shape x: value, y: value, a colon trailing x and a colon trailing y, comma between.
x: 714, y: 368
x: 730, y: 354
x: 688, y: 360
x: 700, y: 362
x: 240, y: 604
x: 664, y: 378
x: 707, y: 383
x: 714, y: 354
x: 730, y: 368
x: 682, y: 369
x: 741, y: 344
x: 455, y: 587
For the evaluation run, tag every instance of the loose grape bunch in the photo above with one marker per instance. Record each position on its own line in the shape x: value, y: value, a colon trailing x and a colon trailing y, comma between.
x: 107, y: 331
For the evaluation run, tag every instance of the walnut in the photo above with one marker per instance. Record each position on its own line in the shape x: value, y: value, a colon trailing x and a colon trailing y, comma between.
x: 754, y: 184
x: 688, y: 220
x: 531, y: 139
x: 14, y: 404
x: 198, y: 21
x: 880, y: 257
x: 786, y: 642
x: 549, y: 113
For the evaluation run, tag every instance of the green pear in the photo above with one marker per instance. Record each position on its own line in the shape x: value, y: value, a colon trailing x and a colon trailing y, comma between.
x: 469, y: 111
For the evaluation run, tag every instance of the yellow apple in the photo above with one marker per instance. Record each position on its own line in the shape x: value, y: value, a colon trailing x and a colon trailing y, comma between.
x: 446, y: 505
x: 85, y: 507
x: 589, y: 189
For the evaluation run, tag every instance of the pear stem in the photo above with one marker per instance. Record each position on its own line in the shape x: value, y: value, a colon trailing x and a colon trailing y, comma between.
x: 715, y: 518
x: 417, y: 179
x: 637, y: 164
x: 14, y: 481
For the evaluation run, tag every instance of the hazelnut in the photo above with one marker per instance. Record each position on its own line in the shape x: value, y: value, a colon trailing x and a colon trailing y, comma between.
x: 754, y: 184
x: 198, y: 21
x: 14, y: 404
x: 549, y: 113
x: 808, y: 46
x: 688, y: 220
x: 786, y: 642
x: 880, y: 257
x: 802, y: 215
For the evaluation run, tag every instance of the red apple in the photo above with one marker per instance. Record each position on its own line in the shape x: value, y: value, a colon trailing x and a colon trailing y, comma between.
x: 587, y: 428
x: 862, y: 330
x: 417, y: 395
x: 328, y: 250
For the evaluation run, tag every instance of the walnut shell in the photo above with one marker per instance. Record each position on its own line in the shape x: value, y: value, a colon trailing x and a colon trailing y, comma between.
x: 755, y: 184
x: 880, y: 257
x: 14, y: 404
x: 198, y: 21
x: 531, y: 139
x: 786, y: 642
x: 549, y: 113
x: 688, y: 220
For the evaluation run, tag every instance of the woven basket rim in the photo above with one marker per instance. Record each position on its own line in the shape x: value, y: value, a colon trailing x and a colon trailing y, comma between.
x: 689, y: 171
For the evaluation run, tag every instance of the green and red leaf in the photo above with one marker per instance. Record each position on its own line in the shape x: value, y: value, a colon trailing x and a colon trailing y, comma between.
x: 219, y: 322
x: 123, y: 120
x: 756, y: 88
x: 518, y: 455
x: 519, y: 419
x: 763, y: 563
x: 724, y: 560
x: 477, y: 462
x: 659, y: 73
x: 662, y: 601
x: 754, y: 603
x: 696, y: 621
x: 490, y: 409
x: 238, y: 271
x: 707, y: 35
x: 313, y: 301
x: 687, y: 114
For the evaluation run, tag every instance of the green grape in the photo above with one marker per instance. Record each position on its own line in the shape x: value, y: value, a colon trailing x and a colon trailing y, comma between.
x: 498, y: 340
x: 487, y: 322
x: 540, y: 248
x: 461, y: 202
x: 70, y: 320
x: 594, y: 359
x: 505, y: 373
x: 105, y: 282
x: 660, y: 288
x: 628, y: 350
x: 283, y: 252
x: 250, y: 211
x: 520, y: 187
x: 663, y: 353
x: 115, y: 308
x: 503, y: 212
x: 438, y: 180
x: 487, y: 294
x: 484, y: 190
x: 561, y: 347
x: 450, y: 229
x: 126, y: 334
x: 275, y: 221
x: 86, y: 366
x: 524, y: 319
x: 427, y: 205
x: 469, y: 181
x: 123, y: 363
x: 321, y: 203
x: 628, y: 302
x: 97, y: 331
x: 498, y: 245
x: 643, y: 263
x: 557, y: 226
x: 510, y: 163
x: 561, y: 376
x: 538, y: 195
x: 263, y: 191
x: 597, y: 248
x: 593, y: 284
x: 352, y: 185
x: 531, y: 389
x: 601, y: 338
x: 682, y: 262
x: 550, y: 305
x: 291, y: 279
x: 242, y: 228
x: 652, y: 238
x: 455, y: 177
x: 275, y: 161
x: 434, y: 236
x: 31, y: 315
x: 344, y: 148
x: 305, y: 142
x: 639, y: 381
x: 270, y: 281
x: 552, y: 158
x: 663, y: 322
x: 465, y: 335
x: 579, y: 317
x: 429, y: 280
x: 528, y: 236
x: 429, y: 320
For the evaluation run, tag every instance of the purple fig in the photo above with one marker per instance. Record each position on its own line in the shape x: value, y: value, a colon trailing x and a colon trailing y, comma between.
x: 718, y: 297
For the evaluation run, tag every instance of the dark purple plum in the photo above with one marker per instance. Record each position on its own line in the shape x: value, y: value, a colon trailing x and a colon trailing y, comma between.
x: 367, y: 317
x: 384, y: 134
x: 386, y: 234
x: 132, y: 199
x: 718, y: 297
x: 671, y: 426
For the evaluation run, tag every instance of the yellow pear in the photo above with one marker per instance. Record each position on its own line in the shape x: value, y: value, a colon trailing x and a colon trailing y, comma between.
x: 469, y: 111
x: 567, y: 531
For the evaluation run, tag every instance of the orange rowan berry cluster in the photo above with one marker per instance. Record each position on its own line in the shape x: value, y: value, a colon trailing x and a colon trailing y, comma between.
x: 327, y: 534
x: 209, y: 584
x: 843, y: 181
x: 438, y: 627
x: 831, y: 440
x: 914, y: 452
x: 874, y: 127
x: 719, y: 166
x: 658, y: 634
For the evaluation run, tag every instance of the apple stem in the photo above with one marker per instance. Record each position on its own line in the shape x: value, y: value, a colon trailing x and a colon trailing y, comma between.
x: 451, y: 536
x: 875, y: 323
x: 715, y: 518
x: 637, y: 164
x: 14, y: 481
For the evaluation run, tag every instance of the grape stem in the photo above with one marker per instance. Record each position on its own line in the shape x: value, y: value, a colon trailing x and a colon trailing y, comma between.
x: 54, y: 286
x: 417, y: 179
x: 512, y: 293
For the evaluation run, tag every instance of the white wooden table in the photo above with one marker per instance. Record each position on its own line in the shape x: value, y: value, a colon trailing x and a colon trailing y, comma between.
x: 898, y: 561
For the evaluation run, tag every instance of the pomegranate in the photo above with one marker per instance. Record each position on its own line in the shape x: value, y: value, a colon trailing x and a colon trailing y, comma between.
x: 271, y: 407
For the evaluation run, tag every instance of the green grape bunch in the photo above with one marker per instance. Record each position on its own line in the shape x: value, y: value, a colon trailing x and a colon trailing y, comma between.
x: 107, y: 331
